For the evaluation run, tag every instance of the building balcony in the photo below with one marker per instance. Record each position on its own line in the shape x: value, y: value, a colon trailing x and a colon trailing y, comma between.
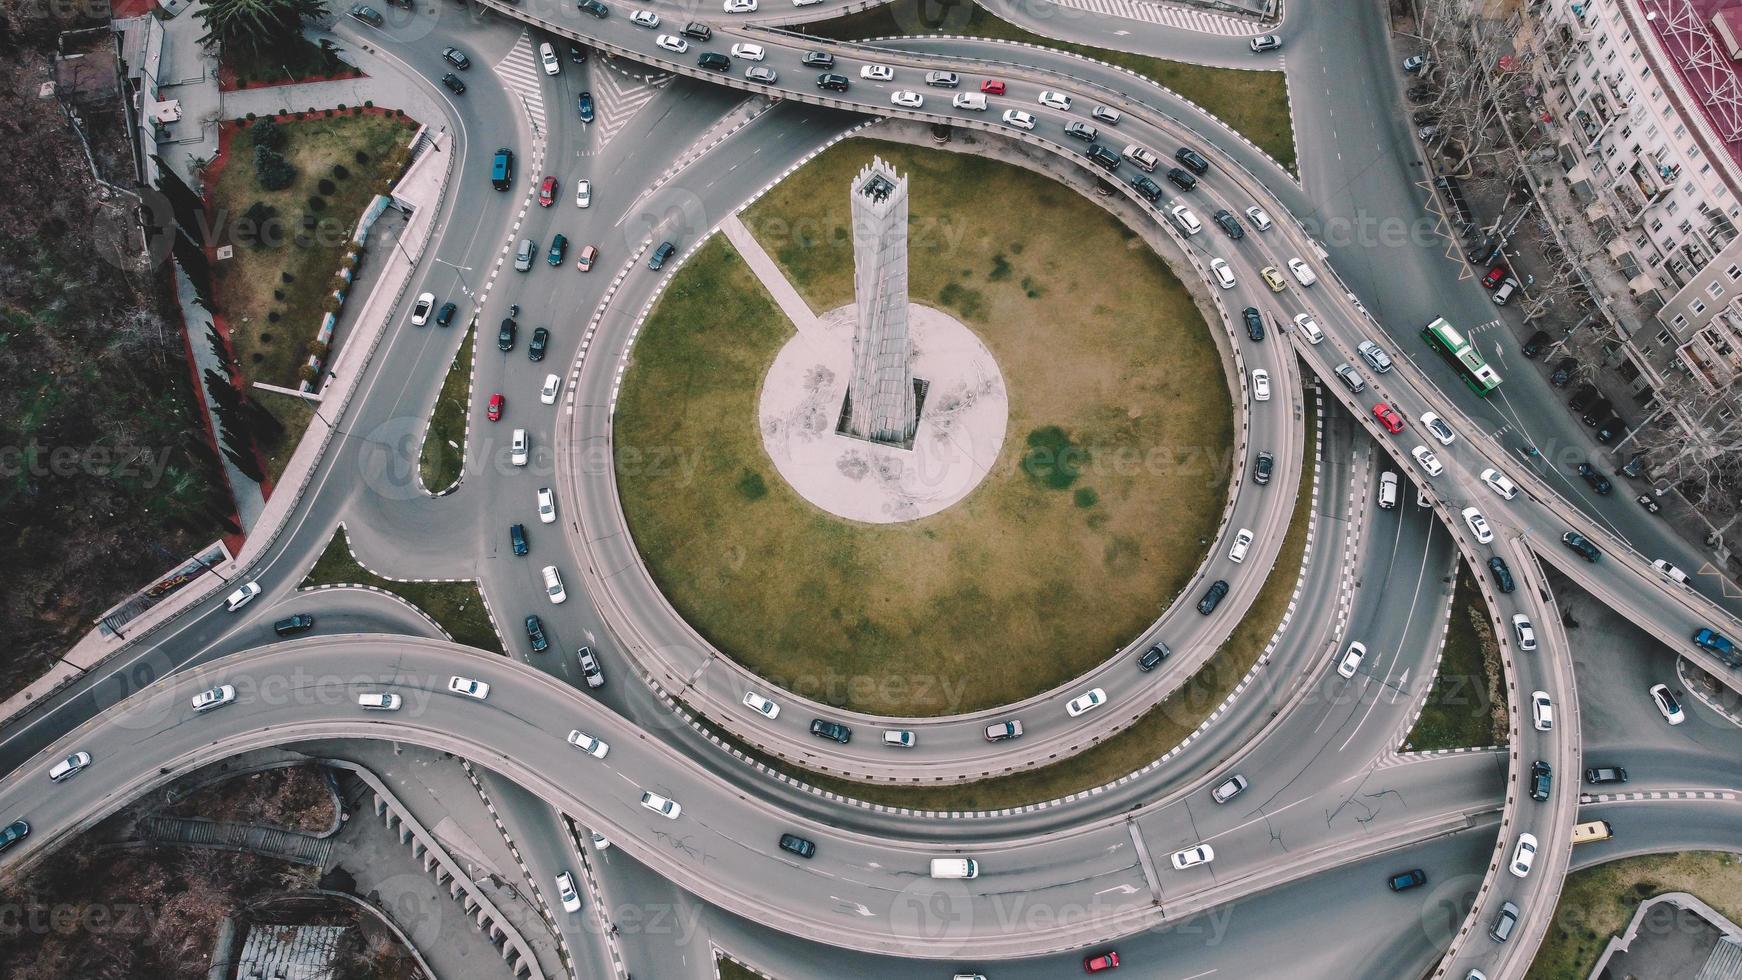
x: 1712, y: 369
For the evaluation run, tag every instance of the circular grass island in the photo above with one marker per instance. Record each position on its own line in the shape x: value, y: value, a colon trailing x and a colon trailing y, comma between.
x: 1112, y: 474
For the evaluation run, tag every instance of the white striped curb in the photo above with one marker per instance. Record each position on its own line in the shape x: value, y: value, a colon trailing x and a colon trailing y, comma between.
x: 394, y: 596
x: 543, y: 906
x: 466, y: 432
x: 491, y: 613
x: 1667, y: 794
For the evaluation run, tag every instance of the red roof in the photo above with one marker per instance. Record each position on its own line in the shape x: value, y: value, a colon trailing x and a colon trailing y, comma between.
x: 1673, y: 51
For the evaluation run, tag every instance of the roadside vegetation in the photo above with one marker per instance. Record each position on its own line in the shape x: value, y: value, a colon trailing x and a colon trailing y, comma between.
x: 443, y: 457
x: 1253, y: 103
x: 262, y: 41
x: 457, y: 607
x: 1135, y: 747
x: 727, y: 968
x: 1598, y: 903
x: 1111, y: 478
x: 1467, y: 706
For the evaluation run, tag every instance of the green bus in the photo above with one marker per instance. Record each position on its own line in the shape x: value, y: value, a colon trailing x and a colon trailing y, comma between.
x: 1461, y: 355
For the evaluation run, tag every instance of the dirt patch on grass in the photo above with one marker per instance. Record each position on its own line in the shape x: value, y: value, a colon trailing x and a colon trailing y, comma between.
x: 1598, y: 902
x: 1041, y: 572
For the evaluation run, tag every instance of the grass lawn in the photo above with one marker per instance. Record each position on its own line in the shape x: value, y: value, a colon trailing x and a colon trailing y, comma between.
x: 457, y: 606
x: 294, y: 414
x: 1466, y: 708
x: 1045, y: 568
x: 1135, y: 747
x: 296, y: 59
x: 1253, y: 103
x: 273, y: 291
x: 444, y: 449
x: 1598, y: 902
x: 729, y: 969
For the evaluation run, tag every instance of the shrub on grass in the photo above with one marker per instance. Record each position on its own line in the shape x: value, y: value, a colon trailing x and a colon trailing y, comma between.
x: 340, y: 171
x: 326, y: 187
x: 317, y: 203
x: 268, y: 133
x: 271, y: 170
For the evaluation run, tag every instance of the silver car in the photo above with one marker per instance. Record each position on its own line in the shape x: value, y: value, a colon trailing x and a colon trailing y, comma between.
x: 523, y: 255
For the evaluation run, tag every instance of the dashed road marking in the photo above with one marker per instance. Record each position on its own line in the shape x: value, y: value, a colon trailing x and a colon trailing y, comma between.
x: 1168, y: 15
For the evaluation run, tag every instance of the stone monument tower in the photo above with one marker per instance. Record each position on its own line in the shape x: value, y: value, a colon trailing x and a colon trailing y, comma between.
x: 882, y: 405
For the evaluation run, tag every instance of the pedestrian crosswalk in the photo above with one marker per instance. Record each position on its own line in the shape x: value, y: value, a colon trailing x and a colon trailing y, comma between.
x: 1483, y: 328
x: 524, y: 77
x: 618, y: 99
x: 1168, y: 15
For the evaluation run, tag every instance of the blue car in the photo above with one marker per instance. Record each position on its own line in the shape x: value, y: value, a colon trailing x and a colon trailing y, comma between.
x: 584, y: 105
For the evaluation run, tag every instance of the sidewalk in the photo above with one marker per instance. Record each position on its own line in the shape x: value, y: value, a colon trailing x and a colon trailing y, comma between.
x: 188, y: 72
x: 786, y: 296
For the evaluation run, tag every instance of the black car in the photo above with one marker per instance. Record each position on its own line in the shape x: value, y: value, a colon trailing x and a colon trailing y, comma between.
x: 1254, y: 323
x: 1212, y: 597
x: 1148, y: 188
x: 1153, y: 657
x: 1502, y: 574
x: 1597, y: 412
x: 1597, y: 481
x: 1607, y: 432
x: 559, y: 247
x: 535, y: 633
x: 300, y: 623
x: 714, y: 61
x: 1192, y: 159
x: 1179, y: 178
x: 794, y: 844
x: 452, y: 81
x: 368, y: 15
x: 831, y: 730
x: 1229, y: 224
x: 1564, y: 370
x: 1261, y: 471
x: 832, y: 82
x: 1413, y: 878
x: 593, y: 7
x: 698, y: 30
x: 1535, y: 344
x: 1586, y: 394
x: 577, y: 54
x: 1541, y: 780
x: 819, y: 59
x: 457, y: 58
x: 1577, y: 542
x: 517, y: 538
x: 665, y: 251
x: 1647, y: 501
x: 445, y: 315
x: 1102, y: 157
x: 540, y: 341
x: 1598, y: 775
x: 505, y: 335
x: 14, y: 832
x: 584, y: 106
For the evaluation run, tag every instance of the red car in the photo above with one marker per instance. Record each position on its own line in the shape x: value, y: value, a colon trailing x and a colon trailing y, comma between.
x: 496, y: 403
x: 589, y: 255
x: 1493, y: 277
x: 1388, y: 417
x: 1101, y: 961
x: 992, y: 86
x: 547, y: 192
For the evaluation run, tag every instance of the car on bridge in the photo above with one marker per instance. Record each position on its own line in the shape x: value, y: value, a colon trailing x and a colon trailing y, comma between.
x: 1710, y: 639
x: 831, y: 730
x: 1085, y: 702
x: 468, y: 687
x: 1498, y: 482
x: 672, y: 43
x: 1388, y: 417
x: 1578, y: 543
x: 1055, y: 100
x: 15, y: 831
x: 566, y: 893
x: 1254, y: 323
x: 794, y: 844
x: 1262, y: 467
x: 1523, y: 855
x: 1153, y: 656
x: 1309, y: 328
x: 1429, y: 463
x: 667, y: 808
x: 1502, y: 574
x: 1212, y: 597
x: 761, y: 705
x: 70, y: 766
x: 644, y: 18
x: 588, y: 744
x: 1003, y: 731
x: 1018, y: 118
x: 1099, y: 962
x: 1478, y: 525
x: 900, y: 738
x: 1229, y: 788
x: 1525, y: 632
x: 1541, y: 780
x: 1191, y: 857
x: 1541, y: 711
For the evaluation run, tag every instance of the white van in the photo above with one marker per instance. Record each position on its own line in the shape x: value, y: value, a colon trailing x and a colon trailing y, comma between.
x: 518, y: 448
x: 1387, y: 490
x: 1142, y: 156
x: 969, y: 100
x: 954, y: 868
x: 1505, y: 291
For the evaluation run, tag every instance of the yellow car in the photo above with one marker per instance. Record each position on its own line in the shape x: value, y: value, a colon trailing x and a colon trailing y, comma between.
x: 1274, y: 279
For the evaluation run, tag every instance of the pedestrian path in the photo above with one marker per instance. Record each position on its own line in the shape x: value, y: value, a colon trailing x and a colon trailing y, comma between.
x: 785, y: 294
x: 523, y: 76
x: 616, y: 101
x: 1168, y: 15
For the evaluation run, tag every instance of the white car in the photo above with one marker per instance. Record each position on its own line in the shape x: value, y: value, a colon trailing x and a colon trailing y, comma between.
x: 1224, y: 275
x: 588, y: 744
x: 748, y: 52
x: 242, y: 596
x: 553, y: 384
x: 1242, y: 542
x: 644, y: 18
x: 669, y: 809
x: 380, y: 701
x: 421, y: 309
x: 1430, y: 464
x: 583, y: 193
x: 546, y: 505
x: 520, y: 448
x: 1086, y: 701
x: 761, y: 705
x: 1309, y: 328
x: 547, y: 57
x: 1302, y: 274
x: 565, y: 891
x: 1193, y: 856
x: 1188, y: 222
x: 590, y: 668
x: 906, y: 99
x: 1055, y: 100
x: 877, y: 73
x: 1018, y: 118
x: 1541, y: 711
x: 1352, y: 658
x: 217, y: 697
x: 468, y: 687
x: 1436, y: 425
x: 1478, y: 525
x: 1523, y: 855
x: 740, y: 6
x: 672, y: 43
x: 1669, y: 571
x: 1260, y: 385
x: 1525, y: 632
x: 599, y: 841
x: 553, y: 586
x: 1499, y: 483
x: 1260, y: 220
x: 1667, y: 705
x: 70, y: 766
x: 901, y: 738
